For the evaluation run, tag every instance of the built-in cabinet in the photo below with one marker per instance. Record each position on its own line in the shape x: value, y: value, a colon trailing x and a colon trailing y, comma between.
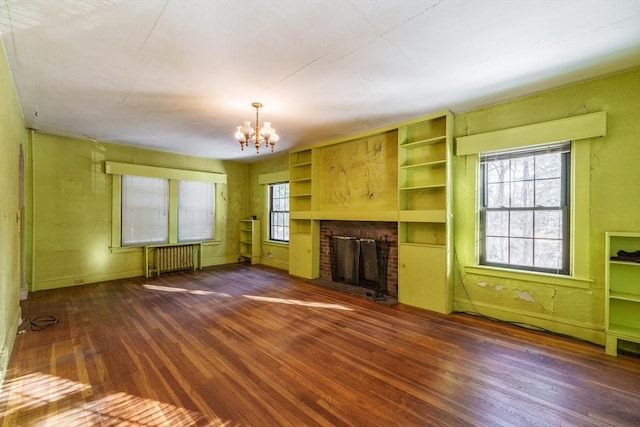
x: 304, y: 232
x: 250, y: 240
x: 424, y: 215
x: 622, y: 287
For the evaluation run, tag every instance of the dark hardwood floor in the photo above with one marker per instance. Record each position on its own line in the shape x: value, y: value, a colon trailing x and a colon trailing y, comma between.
x: 250, y: 346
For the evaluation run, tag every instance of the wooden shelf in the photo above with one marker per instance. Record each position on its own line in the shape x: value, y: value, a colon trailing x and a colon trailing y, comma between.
x: 432, y: 164
x: 424, y: 201
x: 422, y: 216
x: 623, y: 296
x: 300, y: 195
x: 626, y: 331
x: 417, y: 144
x: 423, y: 187
x: 423, y: 245
x: 297, y: 165
x: 300, y: 215
x: 250, y: 240
x: 300, y: 179
x: 622, y: 283
x: 629, y: 263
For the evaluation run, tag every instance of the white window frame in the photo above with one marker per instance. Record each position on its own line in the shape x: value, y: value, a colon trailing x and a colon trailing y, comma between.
x: 117, y: 169
x: 579, y: 130
x: 271, y: 212
x: 202, y: 214
x: 144, y: 218
x: 264, y: 180
x: 563, y: 207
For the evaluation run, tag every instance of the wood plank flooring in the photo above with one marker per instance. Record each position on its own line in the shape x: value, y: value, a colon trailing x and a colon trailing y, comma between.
x: 250, y: 346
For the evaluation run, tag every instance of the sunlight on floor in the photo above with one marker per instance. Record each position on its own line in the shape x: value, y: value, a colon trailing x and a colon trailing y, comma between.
x: 183, y: 290
x: 51, y: 400
x: 298, y: 302
x: 251, y: 297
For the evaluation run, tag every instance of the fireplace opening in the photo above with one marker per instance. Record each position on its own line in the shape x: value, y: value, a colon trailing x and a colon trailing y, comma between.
x: 361, y: 253
x: 360, y: 262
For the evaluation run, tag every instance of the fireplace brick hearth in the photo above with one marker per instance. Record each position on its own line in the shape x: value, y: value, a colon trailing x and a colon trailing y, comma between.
x: 376, y: 230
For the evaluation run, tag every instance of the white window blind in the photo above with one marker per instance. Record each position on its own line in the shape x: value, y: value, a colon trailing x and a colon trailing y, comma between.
x: 145, y: 203
x: 196, y: 210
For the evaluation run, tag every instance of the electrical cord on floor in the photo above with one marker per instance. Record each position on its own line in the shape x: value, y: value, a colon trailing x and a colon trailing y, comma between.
x: 477, y: 312
x: 38, y: 323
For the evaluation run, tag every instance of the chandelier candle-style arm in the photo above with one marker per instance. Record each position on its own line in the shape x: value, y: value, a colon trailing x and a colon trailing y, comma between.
x: 245, y: 133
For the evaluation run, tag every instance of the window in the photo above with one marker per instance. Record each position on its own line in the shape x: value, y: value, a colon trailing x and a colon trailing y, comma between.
x: 146, y: 210
x: 524, y: 212
x: 279, y: 211
x: 196, y: 210
x: 145, y: 207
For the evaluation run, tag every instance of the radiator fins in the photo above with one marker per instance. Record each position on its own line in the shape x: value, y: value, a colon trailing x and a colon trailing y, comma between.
x: 174, y: 258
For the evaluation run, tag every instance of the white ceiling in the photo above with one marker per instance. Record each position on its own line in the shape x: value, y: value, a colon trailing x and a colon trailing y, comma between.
x: 180, y: 75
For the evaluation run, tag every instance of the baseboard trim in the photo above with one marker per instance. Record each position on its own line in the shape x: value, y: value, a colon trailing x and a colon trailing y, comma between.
x: 281, y: 265
x: 585, y: 331
x: 7, y: 346
x: 63, y: 282
x: 210, y: 262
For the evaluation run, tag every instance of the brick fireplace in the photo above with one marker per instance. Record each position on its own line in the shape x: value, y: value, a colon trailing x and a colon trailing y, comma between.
x: 380, y: 231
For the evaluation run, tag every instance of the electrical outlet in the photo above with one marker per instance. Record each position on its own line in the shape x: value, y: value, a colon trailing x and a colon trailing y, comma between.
x: 78, y: 281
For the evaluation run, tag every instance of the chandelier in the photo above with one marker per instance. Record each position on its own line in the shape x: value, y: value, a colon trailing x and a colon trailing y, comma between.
x: 265, y: 134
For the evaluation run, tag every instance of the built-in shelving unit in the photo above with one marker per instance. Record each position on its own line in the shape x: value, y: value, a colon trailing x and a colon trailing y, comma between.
x: 622, y: 280
x: 303, y: 230
x: 250, y: 240
x: 424, y: 227
x: 424, y: 150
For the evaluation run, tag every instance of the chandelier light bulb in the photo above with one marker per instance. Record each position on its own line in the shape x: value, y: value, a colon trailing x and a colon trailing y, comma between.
x: 245, y: 134
x: 238, y: 135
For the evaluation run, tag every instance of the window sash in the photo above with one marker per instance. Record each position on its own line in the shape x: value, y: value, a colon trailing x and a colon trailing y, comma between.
x: 145, y: 206
x: 196, y: 211
x: 531, y: 243
x: 279, y: 211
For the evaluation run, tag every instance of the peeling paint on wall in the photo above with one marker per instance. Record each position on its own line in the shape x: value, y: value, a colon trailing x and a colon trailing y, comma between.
x: 525, y: 295
x: 360, y: 174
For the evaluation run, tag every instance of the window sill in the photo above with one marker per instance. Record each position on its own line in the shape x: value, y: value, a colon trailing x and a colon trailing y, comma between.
x: 530, y: 276
x: 276, y: 243
x: 125, y: 249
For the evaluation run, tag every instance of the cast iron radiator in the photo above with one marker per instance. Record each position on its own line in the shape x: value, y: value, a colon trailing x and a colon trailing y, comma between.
x: 172, y: 258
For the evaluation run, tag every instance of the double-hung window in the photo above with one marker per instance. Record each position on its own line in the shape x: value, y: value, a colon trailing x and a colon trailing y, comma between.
x: 279, y: 211
x: 196, y: 210
x: 146, y: 210
x: 524, y: 209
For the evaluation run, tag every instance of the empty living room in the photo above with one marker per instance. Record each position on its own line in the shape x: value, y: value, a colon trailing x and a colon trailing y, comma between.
x: 331, y: 213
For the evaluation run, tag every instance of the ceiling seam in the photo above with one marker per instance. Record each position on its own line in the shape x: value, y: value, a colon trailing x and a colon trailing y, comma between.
x: 154, y: 25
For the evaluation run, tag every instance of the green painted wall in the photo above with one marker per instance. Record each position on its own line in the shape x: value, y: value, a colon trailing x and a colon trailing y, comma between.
x: 12, y: 135
x: 72, y: 209
x: 614, y: 204
x: 360, y: 175
x: 272, y: 254
x: 577, y: 308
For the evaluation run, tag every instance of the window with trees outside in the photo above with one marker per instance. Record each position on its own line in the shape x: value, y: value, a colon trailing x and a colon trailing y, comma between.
x: 524, y: 209
x: 279, y: 211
